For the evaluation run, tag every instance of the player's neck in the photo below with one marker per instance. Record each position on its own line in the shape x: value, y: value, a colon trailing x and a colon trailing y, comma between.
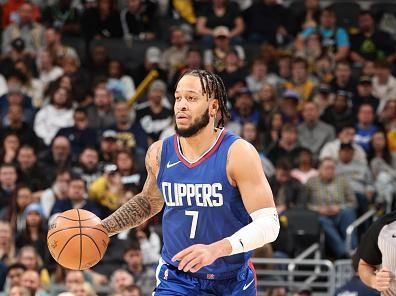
x: 193, y: 147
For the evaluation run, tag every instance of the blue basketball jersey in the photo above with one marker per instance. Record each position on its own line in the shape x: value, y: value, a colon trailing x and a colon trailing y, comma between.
x: 201, y: 206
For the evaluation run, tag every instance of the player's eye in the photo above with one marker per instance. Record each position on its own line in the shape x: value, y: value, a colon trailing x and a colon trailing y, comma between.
x: 178, y: 99
x: 191, y: 99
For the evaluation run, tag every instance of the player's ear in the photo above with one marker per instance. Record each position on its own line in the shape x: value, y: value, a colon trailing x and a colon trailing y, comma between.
x: 214, y: 107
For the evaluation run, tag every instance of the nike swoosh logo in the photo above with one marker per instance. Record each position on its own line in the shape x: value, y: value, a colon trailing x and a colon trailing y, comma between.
x: 248, y: 285
x: 169, y: 165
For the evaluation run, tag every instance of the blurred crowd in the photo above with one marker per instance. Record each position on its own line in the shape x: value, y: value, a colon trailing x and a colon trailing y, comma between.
x: 313, y: 92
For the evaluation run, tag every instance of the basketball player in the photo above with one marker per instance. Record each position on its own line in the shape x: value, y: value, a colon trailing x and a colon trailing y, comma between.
x: 218, y: 204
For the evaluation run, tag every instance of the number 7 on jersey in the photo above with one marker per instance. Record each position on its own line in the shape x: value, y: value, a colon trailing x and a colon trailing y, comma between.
x: 194, y: 222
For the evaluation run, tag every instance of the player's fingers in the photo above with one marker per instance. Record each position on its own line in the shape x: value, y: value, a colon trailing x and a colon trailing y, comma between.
x: 179, y: 256
x: 197, y: 267
x: 186, y: 260
x: 191, y: 264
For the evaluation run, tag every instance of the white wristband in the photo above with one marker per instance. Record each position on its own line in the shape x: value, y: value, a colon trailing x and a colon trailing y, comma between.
x: 262, y: 230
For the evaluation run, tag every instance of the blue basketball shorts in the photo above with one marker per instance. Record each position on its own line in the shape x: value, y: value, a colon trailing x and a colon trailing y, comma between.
x: 171, y: 281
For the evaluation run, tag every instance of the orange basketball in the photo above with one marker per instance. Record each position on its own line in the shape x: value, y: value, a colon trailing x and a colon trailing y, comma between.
x: 77, y: 240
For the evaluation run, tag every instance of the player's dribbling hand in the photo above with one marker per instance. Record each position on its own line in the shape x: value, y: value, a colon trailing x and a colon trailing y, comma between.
x: 197, y: 256
x: 383, y: 279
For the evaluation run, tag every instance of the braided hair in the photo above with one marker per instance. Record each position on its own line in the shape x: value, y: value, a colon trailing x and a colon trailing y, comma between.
x: 213, y: 87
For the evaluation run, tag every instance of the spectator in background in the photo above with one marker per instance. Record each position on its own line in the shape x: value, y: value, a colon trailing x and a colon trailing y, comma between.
x: 144, y: 276
x: 59, y: 157
x: 15, y: 97
x: 272, y: 131
x: 26, y: 28
x: 287, y: 146
x: 310, y: 16
x: 358, y: 175
x: 120, y: 279
x: 156, y: 114
x: 8, y: 178
x: 16, y: 125
x: 324, y: 69
x: 259, y: 76
x: 214, y: 57
x: 29, y: 257
x: 233, y: 72
x: 58, y: 191
x: 132, y: 177
x: 288, y: 192
x: 284, y: 67
x: 343, y: 78
x: 365, y: 126
x: 323, y: 98
x: 101, y: 113
x: 51, y: 118
x: 78, y: 77
x: 250, y: 134
x: 383, y: 167
x: 244, y: 108
x: 9, y: 148
x: 31, y: 86
x: 88, y: 165
x: 7, y: 244
x: 370, y: 43
x: 48, y: 70
x: 151, y: 62
x: 174, y: 57
x: 79, y: 135
x: 304, y: 169
x: 387, y: 118
x: 138, y: 20
x: 299, y: 81
x: 120, y: 85
x: 10, y: 12
x: 269, y: 105
x: 268, y: 21
x: 312, y: 132
x: 108, y: 147
x: 97, y: 63
x: 54, y: 45
x: 340, y: 112
x: 365, y: 94
x: 76, y: 199
x: 312, y: 50
x: 30, y: 171
x: 14, y: 212
x: 17, y: 53
x: 132, y: 290
x: 14, y: 275
x: 345, y: 134
x: 289, y: 107
x: 31, y: 281
x: 64, y: 17
x: 384, y: 84
x: 34, y: 233
x: 220, y: 13
x: 335, y: 40
x: 193, y: 61
x: 333, y: 199
x: 101, y: 22
x: 129, y: 135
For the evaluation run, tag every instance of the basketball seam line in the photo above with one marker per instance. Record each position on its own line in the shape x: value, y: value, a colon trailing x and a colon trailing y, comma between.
x: 79, y: 222
x: 60, y: 253
x: 76, y: 227
x: 97, y: 247
x: 67, y: 218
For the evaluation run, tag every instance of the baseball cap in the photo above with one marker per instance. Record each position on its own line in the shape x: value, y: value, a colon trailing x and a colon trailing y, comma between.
x: 365, y: 80
x: 18, y: 44
x: 221, y: 31
x: 343, y: 93
x: 347, y: 146
x: 153, y: 54
x: 109, y: 134
x: 291, y: 94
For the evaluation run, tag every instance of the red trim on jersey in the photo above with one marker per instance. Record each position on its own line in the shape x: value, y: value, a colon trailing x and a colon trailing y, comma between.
x: 204, y: 157
x: 254, y: 271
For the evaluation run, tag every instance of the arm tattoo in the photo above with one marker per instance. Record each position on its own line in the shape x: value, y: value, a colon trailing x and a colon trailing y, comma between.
x: 143, y: 205
x: 131, y: 214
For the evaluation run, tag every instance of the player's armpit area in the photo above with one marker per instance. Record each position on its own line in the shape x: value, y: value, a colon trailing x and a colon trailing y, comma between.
x: 143, y: 205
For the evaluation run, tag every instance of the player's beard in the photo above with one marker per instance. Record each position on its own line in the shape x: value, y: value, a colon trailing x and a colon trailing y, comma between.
x: 195, y: 127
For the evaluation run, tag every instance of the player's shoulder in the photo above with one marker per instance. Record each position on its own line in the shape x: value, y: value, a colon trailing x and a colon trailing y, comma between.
x: 241, y: 147
x: 153, y: 155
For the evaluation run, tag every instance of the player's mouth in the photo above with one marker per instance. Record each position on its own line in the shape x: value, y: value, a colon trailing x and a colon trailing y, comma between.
x: 181, y: 116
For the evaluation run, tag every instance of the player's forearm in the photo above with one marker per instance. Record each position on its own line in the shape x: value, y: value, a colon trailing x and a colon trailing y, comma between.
x: 367, y: 274
x: 137, y: 210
